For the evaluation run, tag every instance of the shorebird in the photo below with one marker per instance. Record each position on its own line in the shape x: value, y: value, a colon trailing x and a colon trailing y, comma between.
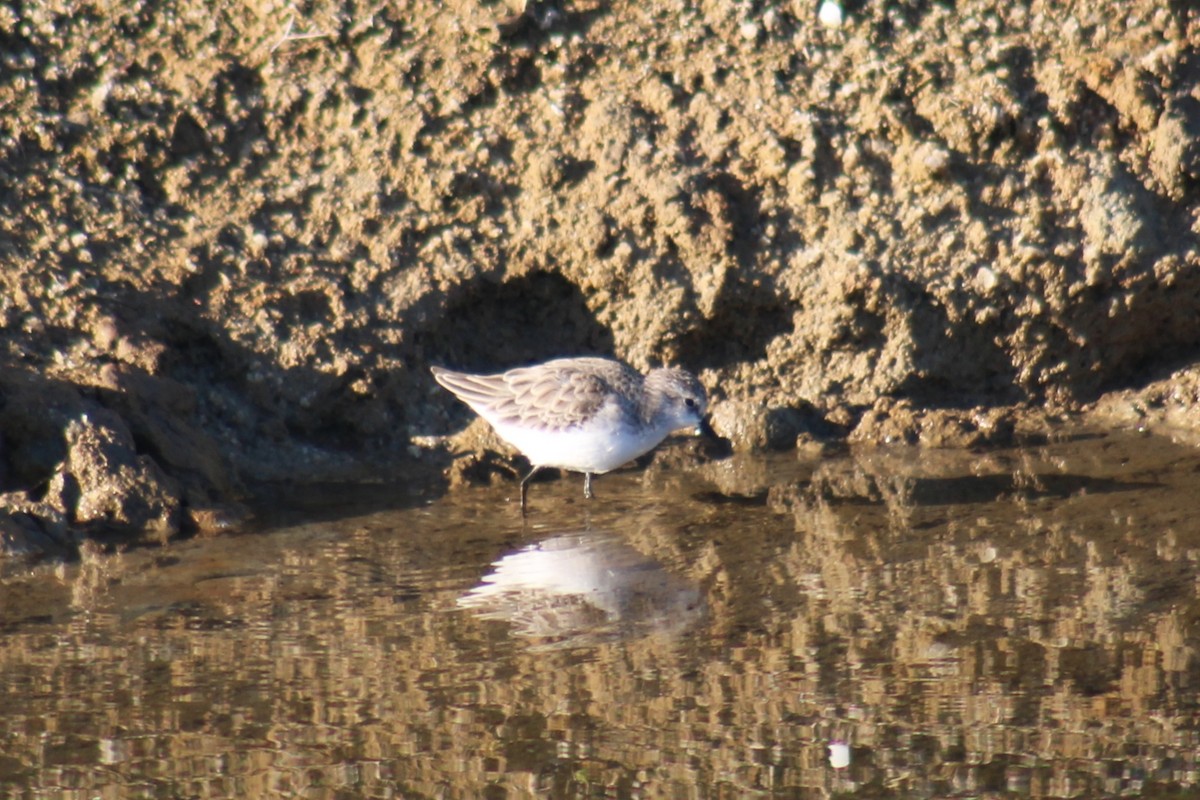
x: 588, y: 415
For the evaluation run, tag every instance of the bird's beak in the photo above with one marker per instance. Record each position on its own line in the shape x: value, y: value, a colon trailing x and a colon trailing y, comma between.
x: 705, y: 429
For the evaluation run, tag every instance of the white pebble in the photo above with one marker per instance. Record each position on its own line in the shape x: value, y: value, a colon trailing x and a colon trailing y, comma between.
x: 986, y: 279
x: 830, y: 14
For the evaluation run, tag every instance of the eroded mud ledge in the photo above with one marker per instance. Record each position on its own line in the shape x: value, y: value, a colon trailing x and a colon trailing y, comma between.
x: 229, y: 256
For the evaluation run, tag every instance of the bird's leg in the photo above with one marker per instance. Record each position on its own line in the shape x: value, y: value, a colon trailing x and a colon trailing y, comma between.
x: 525, y: 487
x: 587, y: 485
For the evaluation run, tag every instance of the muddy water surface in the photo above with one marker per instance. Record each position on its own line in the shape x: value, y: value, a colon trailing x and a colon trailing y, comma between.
x: 892, y: 623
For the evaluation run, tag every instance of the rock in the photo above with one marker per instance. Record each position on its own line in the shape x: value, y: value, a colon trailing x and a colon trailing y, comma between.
x: 159, y: 412
x: 70, y: 462
x: 116, y: 486
x: 479, y: 456
x: 888, y: 423
x: 26, y: 535
x: 1175, y: 147
x: 898, y: 422
x: 33, y: 412
x: 755, y: 427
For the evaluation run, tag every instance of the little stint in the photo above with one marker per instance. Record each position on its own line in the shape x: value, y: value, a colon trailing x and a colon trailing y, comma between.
x: 588, y: 415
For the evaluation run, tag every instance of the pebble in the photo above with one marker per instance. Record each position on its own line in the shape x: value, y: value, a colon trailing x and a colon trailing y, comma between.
x: 830, y: 14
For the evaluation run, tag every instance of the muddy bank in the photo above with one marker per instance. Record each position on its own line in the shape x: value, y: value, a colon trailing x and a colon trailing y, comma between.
x: 234, y: 237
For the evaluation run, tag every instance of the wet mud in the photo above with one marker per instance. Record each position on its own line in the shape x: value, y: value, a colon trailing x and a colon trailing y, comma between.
x: 235, y: 236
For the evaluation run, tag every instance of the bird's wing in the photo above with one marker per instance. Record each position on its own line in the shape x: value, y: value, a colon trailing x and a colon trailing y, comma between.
x: 546, y: 397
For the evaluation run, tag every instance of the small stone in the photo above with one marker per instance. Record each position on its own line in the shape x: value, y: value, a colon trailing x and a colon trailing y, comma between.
x: 985, y: 279
x: 215, y: 518
x: 755, y: 427
x: 830, y: 14
x: 106, y: 333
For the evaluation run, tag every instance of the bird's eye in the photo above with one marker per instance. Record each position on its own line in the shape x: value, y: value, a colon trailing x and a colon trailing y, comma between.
x: 689, y: 402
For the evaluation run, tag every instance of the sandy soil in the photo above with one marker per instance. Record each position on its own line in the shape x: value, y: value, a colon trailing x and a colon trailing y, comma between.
x: 233, y: 237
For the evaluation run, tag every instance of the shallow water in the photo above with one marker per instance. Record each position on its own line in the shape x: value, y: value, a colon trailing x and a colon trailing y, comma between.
x: 1020, y: 622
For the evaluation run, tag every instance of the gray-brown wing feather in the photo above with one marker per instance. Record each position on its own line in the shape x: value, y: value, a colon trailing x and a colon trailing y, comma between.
x: 540, y: 397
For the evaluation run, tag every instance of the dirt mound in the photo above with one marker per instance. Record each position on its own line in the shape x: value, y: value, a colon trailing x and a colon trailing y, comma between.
x: 234, y: 236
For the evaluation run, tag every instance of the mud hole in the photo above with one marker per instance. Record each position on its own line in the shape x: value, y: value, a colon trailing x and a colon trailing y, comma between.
x: 233, y: 237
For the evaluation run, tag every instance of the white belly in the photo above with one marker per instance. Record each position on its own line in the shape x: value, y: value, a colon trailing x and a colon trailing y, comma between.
x: 582, y: 449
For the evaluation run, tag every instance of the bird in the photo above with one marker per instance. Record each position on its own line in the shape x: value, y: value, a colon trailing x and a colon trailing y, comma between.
x: 584, y: 414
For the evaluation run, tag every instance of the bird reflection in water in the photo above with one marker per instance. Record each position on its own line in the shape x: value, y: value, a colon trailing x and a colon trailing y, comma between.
x: 580, y: 589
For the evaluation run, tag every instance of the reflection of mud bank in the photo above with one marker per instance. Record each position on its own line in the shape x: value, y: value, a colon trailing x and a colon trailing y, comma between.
x: 255, y: 230
x: 968, y: 625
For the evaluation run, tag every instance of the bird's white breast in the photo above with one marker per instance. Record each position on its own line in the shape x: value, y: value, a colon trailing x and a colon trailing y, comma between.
x: 594, y: 447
